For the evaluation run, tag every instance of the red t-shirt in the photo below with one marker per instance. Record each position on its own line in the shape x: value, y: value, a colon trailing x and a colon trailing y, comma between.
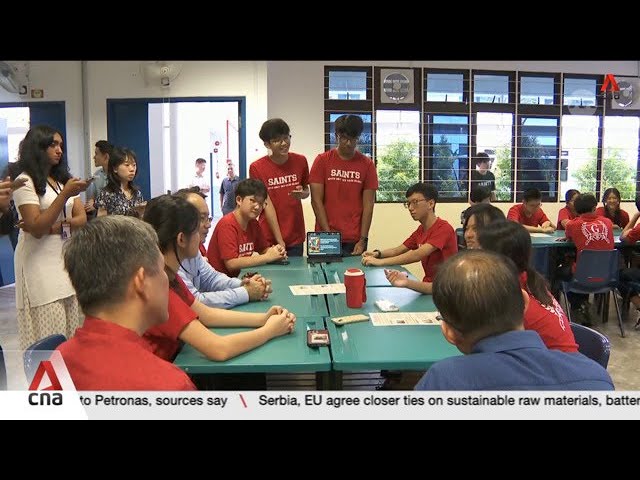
x: 229, y: 241
x: 633, y: 235
x: 590, y: 232
x: 624, y: 216
x: 280, y: 181
x: 516, y: 213
x: 564, y: 214
x: 105, y: 356
x: 164, y: 338
x: 441, y: 236
x: 344, y: 181
x: 549, y: 321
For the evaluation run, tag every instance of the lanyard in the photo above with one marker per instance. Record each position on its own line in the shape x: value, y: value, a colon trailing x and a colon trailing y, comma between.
x: 64, y: 208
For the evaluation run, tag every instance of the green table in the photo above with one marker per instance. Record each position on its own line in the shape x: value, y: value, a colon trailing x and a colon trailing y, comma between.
x: 375, y: 275
x: 288, y: 353
x: 361, y: 346
x: 295, y: 263
x: 298, y: 304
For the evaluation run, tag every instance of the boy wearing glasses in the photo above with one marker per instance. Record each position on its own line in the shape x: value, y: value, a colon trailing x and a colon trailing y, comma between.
x: 286, y: 176
x: 237, y: 235
x: 209, y: 286
x: 432, y: 243
x: 343, y: 187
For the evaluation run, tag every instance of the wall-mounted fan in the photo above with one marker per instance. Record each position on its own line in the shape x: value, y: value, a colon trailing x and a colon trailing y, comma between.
x: 629, y: 96
x: 160, y: 73
x: 14, y: 77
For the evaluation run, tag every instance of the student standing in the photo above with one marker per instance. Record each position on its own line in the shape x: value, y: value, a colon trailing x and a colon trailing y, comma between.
x: 101, y: 156
x: 286, y: 176
x: 121, y: 196
x: 343, y: 187
x: 481, y: 176
x: 228, y: 191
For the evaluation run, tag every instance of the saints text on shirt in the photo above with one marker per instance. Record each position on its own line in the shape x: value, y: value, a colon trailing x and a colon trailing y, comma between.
x: 344, y: 175
x: 282, y: 181
x: 245, y: 249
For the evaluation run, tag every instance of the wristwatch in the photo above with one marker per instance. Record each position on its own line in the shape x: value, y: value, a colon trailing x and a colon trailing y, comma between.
x: 378, y: 253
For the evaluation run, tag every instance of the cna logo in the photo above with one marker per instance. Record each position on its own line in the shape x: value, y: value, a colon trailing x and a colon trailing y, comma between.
x: 47, y: 371
x: 610, y: 84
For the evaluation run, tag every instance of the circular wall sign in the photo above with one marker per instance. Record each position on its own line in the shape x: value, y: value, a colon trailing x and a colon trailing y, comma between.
x: 396, y: 86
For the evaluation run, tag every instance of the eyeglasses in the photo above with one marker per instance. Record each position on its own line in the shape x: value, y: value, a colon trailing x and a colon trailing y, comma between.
x: 281, y: 140
x: 206, y: 219
x: 413, y: 203
x: 347, y: 139
x: 441, y: 319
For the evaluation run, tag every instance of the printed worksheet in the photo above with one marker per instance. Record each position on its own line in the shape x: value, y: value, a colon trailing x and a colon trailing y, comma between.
x: 541, y: 235
x: 328, y: 289
x: 404, y: 318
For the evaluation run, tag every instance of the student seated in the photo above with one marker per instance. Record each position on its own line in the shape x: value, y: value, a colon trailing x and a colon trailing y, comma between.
x: 630, y: 277
x: 237, y: 235
x: 128, y: 296
x: 568, y: 212
x: 207, y: 285
x: 529, y: 213
x: 611, y: 208
x: 588, y: 231
x: 433, y: 241
x: 481, y: 304
x: 477, y: 217
x: 177, y: 222
x: 543, y: 313
x: 479, y: 195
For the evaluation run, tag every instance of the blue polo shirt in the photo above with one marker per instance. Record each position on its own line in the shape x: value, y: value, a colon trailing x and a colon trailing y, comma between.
x: 516, y: 360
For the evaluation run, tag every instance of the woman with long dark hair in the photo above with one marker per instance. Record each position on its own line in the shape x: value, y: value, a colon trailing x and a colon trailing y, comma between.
x: 544, y: 314
x: 177, y: 223
x: 611, y: 208
x: 49, y: 210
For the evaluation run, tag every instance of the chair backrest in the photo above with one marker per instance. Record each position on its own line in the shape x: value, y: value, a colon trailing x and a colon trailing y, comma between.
x: 597, y: 268
x: 3, y: 372
x: 540, y: 260
x: 592, y: 343
x: 32, y: 360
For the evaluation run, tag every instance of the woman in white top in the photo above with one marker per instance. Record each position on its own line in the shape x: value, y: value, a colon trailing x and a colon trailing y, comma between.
x: 49, y: 210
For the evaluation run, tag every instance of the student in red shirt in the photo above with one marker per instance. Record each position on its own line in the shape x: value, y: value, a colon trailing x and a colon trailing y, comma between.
x: 529, y: 213
x: 588, y: 231
x: 177, y: 223
x: 543, y: 313
x: 432, y: 243
x: 568, y: 213
x: 128, y: 296
x: 286, y: 176
x: 611, y: 208
x: 630, y: 235
x: 343, y: 188
x: 476, y: 217
x: 237, y: 235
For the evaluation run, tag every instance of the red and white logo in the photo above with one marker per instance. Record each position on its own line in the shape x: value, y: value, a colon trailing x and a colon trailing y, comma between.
x: 51, y: 374
x: 45, y: 378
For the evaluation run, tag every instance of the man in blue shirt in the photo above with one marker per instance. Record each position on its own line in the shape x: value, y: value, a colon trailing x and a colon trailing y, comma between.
x: 209, y: 286
x: 228, y: 191
x: 101, y: 160
x: 481, y: 304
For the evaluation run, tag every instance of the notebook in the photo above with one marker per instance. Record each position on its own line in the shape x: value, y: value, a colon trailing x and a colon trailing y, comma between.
x: 324, y: 247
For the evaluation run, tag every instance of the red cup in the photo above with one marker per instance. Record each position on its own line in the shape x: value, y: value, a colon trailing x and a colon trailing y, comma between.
x: 356, y: 285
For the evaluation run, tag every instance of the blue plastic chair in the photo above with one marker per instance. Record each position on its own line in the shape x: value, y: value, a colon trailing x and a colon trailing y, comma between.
x: 592, y: 343
x: 3, y: 372
x: 596, y: 272
x: 540, y: 260
x: 32, y: 360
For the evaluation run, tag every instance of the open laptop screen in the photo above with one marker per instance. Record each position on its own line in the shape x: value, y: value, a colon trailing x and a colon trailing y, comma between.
x: 323, y: 244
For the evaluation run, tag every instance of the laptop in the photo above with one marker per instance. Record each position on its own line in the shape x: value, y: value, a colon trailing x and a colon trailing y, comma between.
x: 324, y: 247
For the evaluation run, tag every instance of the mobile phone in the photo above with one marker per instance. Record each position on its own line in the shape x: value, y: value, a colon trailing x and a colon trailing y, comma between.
x: 90, y: 179
x: 317, y: 338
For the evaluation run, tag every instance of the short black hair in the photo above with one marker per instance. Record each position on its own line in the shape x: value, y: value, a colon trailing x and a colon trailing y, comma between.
x: 481, y: 157
x: 251, y: 186
x: 350, y: 125
x: 104, y: 147
x: 273, y: 128
x: 585, y: 203
x: 200, y: 160
x: 532, y: 194
x: 427, y: 190
x: 570, y: 193
x: 478, y: 293
x: 484, y: 213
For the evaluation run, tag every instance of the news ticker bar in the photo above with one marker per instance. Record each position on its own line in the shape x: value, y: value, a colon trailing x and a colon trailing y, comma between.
x: 318, y: 405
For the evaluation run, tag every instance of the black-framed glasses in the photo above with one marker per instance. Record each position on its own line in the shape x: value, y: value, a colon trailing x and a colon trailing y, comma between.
x: 346, y: 139
x: 281, y: 140
x: 414, y: 203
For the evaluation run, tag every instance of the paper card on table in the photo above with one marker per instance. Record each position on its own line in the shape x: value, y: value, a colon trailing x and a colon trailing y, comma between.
x: 349, y: 319
x: 404, y: 318
x: 541, y: 235
x: 328, y: 289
